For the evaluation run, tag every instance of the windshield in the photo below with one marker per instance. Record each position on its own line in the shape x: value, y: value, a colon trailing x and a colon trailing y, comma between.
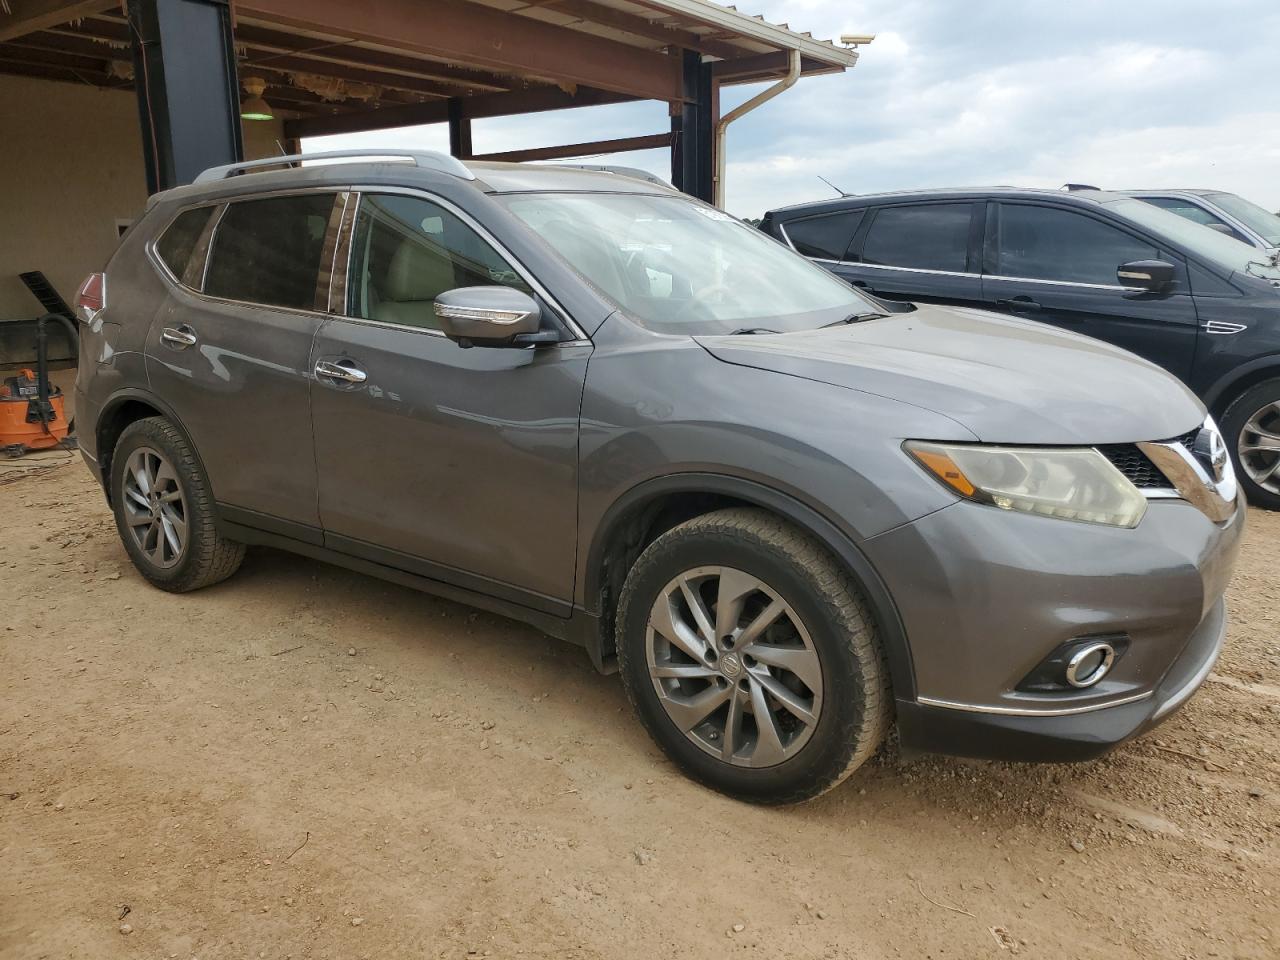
x: 679, y: 267
x: 1262, y: 222
x: 1203, y: 242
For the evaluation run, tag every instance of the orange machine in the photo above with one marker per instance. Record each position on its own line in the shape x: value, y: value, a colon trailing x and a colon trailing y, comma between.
x: 32, y: 410
x: 28, y: 422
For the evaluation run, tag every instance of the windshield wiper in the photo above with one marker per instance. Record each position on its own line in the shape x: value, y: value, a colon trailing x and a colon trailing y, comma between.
x: 748, y: 331
x: 854, y: 318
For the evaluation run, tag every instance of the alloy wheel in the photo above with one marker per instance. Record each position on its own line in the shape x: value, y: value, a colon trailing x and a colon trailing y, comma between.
x: 734, y: 667
x: 1259, y: 447
x: 154, y: 509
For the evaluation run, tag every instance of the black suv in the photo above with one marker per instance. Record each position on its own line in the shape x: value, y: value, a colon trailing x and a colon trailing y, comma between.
x: 1203, y: 306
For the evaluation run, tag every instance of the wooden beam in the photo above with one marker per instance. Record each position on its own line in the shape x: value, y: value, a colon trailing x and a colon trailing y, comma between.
x: 595, y: 147
x: 651, y: 29
x: 484, y: 37
x: 28, y: 16
x: 766, y: 66
x: 473, y: 108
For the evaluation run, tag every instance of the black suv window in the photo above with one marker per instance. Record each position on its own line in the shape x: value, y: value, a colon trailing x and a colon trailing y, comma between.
x: 932, y: 236
x: 1195, y: 212
x: 407, y: 251
x: 179, y: 239
x: 268, y: 251
x: 826, y: 237
x: 1049, y: 243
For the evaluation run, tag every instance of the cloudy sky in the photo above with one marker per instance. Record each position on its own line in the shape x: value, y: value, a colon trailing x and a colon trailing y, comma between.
x: 1133, y: 94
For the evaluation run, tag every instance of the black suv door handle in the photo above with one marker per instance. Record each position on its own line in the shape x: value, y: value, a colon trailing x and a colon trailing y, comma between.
x: 1019, y: 305
x: 862, y: 284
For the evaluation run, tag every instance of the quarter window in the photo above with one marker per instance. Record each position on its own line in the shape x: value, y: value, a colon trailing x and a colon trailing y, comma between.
x: 1048, y: 243
x: 933, y: 236
x: 826, y: 237
x: 268, y: 251
x: 179, y: 239
x: 407, y: 251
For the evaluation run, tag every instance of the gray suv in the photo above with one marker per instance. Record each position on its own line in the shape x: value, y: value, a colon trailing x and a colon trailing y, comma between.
x: 789, y: 514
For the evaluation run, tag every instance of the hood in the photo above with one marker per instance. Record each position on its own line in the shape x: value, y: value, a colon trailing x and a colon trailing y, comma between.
x: 1006, y: 380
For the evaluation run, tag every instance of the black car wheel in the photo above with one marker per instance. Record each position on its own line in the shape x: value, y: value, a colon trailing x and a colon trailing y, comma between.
x: 1251, y: 427
x: 164, y: 511
x: 750, y: 657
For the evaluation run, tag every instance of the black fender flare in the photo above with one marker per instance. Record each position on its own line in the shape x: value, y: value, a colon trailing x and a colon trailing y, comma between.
x: 1224, y: 386
x: 888, y: 621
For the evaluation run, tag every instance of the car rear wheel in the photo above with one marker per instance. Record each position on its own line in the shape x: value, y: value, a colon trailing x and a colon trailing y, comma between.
x: 750, y: 657
x: 1251, y: 427
x: 164, y: 510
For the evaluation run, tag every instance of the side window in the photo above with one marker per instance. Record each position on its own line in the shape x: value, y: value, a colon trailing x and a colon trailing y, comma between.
x: 268, y: 251
x: 179, y: 239
x: 933, y: 236
x: 407, y: 251
x: 1049, y: 243
x: 1190, y: 211
x: 826, y: 237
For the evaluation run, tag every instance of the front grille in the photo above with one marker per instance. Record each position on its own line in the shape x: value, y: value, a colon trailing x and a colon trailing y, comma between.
x: 1134, y: 464
x: 1137, y: 467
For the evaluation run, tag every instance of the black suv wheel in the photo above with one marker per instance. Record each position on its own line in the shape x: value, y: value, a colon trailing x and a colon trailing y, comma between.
x: 164, y: 511
x: 751, y: 659
x: 1251, y: 428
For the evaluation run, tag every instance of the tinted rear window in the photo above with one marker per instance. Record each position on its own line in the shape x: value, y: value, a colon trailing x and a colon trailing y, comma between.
x: 268, y: 251
x: 826, y: 237
x: 179, y: 239
x: 932, y: 236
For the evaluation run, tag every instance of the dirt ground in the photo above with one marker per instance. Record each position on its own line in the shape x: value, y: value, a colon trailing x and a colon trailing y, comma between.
x: 224, y: 768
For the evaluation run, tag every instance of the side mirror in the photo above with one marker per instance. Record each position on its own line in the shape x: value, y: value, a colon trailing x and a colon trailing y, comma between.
x: 1222, y: 228
x: 489, y: 317
x: 1151, y: 276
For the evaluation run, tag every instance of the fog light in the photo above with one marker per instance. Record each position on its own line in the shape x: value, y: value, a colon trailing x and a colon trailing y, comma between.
x: 1090, y: 664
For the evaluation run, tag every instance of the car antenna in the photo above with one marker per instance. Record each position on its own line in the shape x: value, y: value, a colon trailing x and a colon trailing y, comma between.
x: 832, y: 185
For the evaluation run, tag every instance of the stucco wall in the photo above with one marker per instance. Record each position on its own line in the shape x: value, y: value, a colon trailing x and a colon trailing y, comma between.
x: 70, y: 167
x: 71, y: 164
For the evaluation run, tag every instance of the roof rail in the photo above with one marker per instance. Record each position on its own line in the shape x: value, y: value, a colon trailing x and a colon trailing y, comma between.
x: 633, y: 172
x: 427, y: 159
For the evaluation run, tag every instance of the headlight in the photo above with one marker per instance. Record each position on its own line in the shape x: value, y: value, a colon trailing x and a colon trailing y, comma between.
x: 1071, y: 483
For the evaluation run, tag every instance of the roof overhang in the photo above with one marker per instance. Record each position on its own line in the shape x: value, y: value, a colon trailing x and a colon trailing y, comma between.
x: 336, y: 66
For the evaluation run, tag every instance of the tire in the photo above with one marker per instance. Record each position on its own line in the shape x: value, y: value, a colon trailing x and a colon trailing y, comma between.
x: 1258, y: 408
x: 152, y: 453
x: 821, y: 617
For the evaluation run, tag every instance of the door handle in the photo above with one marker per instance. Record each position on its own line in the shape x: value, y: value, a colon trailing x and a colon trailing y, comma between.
x: 862, y: 285
x: 178, y: 337
x: 344, y: 371
x: 1019, y: 305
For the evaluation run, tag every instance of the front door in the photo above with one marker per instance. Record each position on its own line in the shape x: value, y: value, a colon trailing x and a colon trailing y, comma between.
x: 457, y: 464
x: 230, y: 351
x: 1058, y: 266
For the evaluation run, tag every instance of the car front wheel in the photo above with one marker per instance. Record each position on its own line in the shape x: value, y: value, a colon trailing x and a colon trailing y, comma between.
x: 751, y: 659
x: 1251, y: 427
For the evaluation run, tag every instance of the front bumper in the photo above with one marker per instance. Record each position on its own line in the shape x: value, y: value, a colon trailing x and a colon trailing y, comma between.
x: 1070, y: 737
x: 986, y: 595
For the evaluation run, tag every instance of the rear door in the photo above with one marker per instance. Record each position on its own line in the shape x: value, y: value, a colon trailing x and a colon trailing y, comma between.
x: 230, y: 351
x: 1058, y: 265
x: 457, y: 464
x: 927, y: 252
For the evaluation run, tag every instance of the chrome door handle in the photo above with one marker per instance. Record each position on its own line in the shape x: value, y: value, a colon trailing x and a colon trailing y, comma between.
x: 180, y: 337
x: 343, y: 370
